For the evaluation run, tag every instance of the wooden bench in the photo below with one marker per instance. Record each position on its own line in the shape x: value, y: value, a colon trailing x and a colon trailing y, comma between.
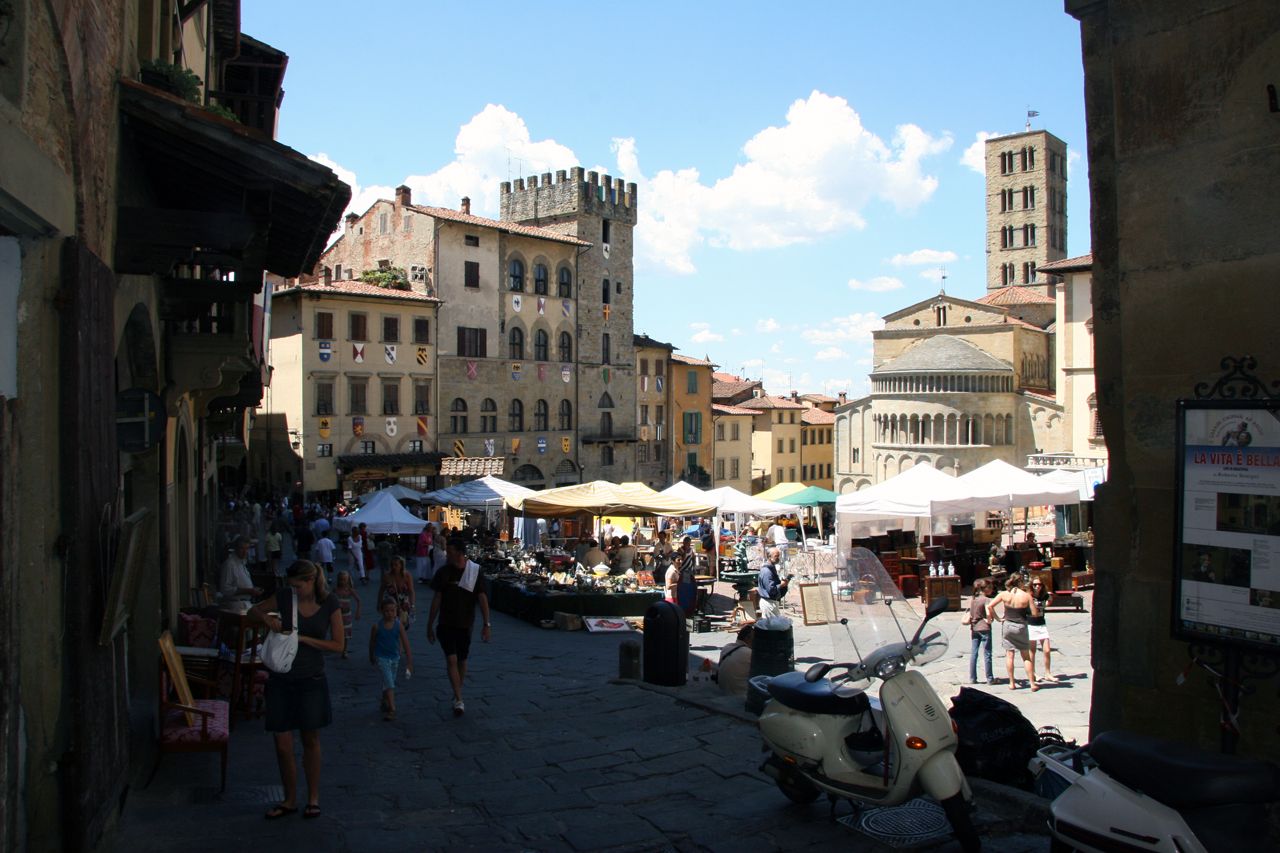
x: 188, y: 724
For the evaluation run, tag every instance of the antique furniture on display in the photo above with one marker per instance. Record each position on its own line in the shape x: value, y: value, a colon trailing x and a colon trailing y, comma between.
x: 188, y: 724
x: 243, y: 636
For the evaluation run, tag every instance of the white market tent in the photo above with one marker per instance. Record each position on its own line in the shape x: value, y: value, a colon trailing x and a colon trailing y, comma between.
x: 729, y: 500
x: 382, y: 514
x: 486, y: 492
x: 1000, y: 486
x: 397, y: 491
x: 1086, y: 479
x: 911, y: 494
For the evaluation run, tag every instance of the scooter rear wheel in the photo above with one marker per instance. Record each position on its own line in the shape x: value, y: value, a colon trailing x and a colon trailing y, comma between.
x: 958, y: 813
x: 798, y: 789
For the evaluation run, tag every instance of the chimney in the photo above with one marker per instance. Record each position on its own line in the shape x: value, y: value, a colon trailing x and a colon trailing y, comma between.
x: 328, y: 276
x: 351, y: 220
x: 466, y: 205
x: 844, y: 398
x: 404, y: 196
x: 795, y: 396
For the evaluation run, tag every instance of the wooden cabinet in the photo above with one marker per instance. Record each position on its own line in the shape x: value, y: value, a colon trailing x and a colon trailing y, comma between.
x: 947, y: 585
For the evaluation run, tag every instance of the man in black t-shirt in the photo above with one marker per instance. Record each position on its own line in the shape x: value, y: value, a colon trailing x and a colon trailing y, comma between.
x: 459, y: 587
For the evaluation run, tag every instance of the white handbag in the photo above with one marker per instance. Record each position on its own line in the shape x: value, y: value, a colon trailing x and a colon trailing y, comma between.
x: 281, y: 647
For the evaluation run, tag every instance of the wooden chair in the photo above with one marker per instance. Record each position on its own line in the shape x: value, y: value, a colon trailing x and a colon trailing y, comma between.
x: 746, y: 610
x: 188, y: 724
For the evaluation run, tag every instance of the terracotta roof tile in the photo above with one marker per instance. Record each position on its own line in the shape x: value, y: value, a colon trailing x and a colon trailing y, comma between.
x: 722, y: 390
x: 684, y: 359
x: 343, y: 287
x: 1015, y: 295
x: 1082, y: 263
x: 817, y: 416
x: 820, y: 398
x: 721, y: 409
x: 769, y: 402
x: 471, y: 466
x: 509, y: 227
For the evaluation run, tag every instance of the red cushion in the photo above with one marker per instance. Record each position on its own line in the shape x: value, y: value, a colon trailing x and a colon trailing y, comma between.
x: 174, y: 728
x: 198, y: 630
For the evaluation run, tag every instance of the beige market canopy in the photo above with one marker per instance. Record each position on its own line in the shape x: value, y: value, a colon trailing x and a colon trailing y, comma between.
x: 604, y: 498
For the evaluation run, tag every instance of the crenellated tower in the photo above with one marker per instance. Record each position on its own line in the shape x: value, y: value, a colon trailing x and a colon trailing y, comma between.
x: 601, y: 211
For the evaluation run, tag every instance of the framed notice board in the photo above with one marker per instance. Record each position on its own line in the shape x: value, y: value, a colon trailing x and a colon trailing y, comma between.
x: 1226, y: 572
x: 818, y: 601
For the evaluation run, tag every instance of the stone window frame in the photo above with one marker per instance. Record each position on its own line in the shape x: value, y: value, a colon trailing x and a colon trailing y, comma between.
x: 541, y: 416
x: 564, y: 282
x: 515, y: 274
x: 515, y: 415
x: 488, y: 415
x: 458, y: 416
x: 515, y: 343
x: 541, y: 345
x: 541, y: 281
x: 566, y: 415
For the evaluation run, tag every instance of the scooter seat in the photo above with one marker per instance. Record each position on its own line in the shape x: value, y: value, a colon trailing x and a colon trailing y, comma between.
x: 1182, y: 776
x: 816, y: 697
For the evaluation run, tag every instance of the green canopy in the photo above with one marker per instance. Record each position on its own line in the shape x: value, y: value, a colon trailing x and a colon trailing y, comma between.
x: 808, y: 496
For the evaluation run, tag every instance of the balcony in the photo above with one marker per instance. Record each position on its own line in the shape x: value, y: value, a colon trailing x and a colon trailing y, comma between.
x: 1065, y: 461
x: 615, y: 436
x: 212, y: 352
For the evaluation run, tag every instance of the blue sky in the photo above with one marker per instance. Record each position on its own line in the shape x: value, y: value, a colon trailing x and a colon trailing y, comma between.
x: 802, y: 168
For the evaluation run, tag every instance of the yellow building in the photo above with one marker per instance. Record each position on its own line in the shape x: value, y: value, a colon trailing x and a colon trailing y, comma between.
x: 732, y: 446
x: 690, y: 383
x: 653, y: 401
x: 353, y: 390
x: 817, y: 450
x: 775, y: 441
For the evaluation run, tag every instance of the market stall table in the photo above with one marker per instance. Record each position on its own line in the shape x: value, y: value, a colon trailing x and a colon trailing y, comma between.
x: 535, y: 603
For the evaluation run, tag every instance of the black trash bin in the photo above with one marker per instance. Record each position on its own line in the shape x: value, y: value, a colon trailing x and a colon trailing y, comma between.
x: 772, y: 652
x: 666, y: 645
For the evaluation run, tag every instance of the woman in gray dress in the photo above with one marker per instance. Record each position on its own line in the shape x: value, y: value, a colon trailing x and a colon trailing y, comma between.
x: 1017, y: 604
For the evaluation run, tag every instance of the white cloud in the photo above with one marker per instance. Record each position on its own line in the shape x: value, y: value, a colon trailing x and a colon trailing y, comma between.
x: 1073, y: 156
x: 737, y: 333
x: 921, y: 257
x: 830, y: 354
x: 833, y: 387
x: 879, y: 284
x: 483, y: 149
x: 851, y: 328
x: 810, y: 177
x: 775, y: 349
x: 932, y: 275
x: 702, y: 333
x: 975, y: 156
x: 767, y: 325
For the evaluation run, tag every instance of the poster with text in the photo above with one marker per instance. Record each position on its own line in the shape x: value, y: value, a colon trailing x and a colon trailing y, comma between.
x: 1227, y: 578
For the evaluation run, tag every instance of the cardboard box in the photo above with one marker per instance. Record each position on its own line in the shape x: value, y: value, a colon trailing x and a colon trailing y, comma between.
x: 568, y: 621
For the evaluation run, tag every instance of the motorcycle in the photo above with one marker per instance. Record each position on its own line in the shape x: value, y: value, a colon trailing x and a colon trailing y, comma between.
x: 1132, y: 792
x: 827, y: 735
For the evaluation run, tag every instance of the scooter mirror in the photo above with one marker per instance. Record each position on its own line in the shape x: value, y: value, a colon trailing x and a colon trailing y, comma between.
x: 816, y: 672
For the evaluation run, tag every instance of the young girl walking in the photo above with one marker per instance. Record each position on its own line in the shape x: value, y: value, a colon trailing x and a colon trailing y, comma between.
x: 348, y: 601
x: 387, y: 641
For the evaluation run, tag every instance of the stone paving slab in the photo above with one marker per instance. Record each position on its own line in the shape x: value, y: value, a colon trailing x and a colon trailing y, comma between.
x: 554, y: 753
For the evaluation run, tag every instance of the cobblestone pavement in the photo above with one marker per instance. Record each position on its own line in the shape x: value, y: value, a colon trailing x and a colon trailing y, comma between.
x: 554, y: 753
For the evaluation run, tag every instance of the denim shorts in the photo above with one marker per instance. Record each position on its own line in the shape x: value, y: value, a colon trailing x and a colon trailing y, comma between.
x: 388, y: 667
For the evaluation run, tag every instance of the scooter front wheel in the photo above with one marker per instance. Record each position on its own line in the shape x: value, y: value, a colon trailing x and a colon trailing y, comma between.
x: 797, y: 788
x: 958, y: 813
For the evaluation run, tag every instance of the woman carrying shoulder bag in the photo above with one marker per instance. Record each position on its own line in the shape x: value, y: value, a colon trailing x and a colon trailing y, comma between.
x: 1018, y: 605
x: 299, y: 699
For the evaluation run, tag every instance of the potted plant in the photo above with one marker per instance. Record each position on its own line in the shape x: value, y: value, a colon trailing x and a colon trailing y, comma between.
x: 171, y: 78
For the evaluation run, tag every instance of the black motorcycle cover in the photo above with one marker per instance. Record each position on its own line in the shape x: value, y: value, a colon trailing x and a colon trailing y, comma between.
x: 996, y: 740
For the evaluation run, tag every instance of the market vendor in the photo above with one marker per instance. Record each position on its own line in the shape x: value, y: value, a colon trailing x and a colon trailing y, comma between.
x: 593, y: 556
x: 625, y: 557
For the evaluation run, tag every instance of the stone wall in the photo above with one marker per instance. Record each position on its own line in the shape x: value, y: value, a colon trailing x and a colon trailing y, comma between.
x: 1182, y: 161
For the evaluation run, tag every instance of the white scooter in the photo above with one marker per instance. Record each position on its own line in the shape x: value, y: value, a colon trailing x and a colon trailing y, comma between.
x: 827, y: 735
x: 1131, y: 792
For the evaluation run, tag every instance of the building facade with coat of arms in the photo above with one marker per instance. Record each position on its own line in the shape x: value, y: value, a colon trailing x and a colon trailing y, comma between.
x: 530, y: 359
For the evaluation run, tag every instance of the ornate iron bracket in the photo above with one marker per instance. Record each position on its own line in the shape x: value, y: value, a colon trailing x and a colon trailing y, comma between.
x: 1238, y: 382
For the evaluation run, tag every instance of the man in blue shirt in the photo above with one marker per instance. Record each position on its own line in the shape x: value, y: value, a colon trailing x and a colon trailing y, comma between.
x: 771, y: 586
